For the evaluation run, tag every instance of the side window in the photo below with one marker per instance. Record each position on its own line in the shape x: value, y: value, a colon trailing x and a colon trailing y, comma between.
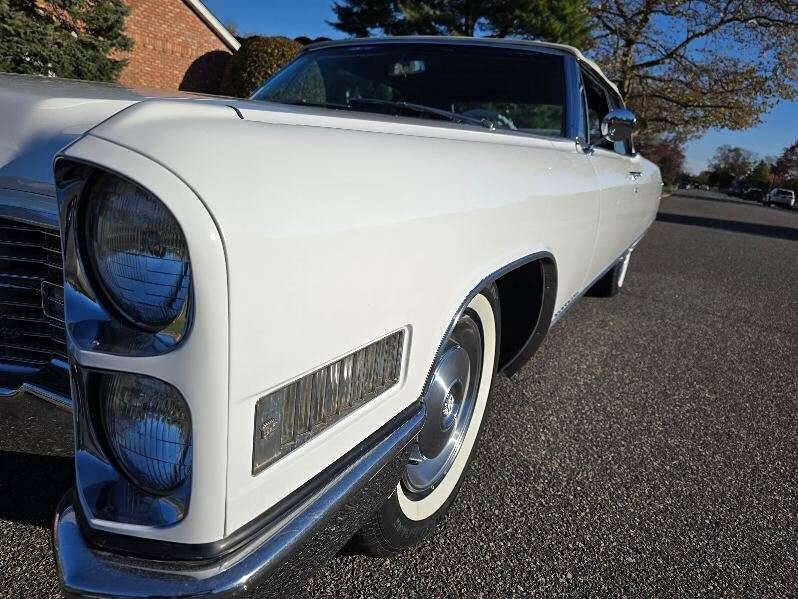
x: 597, y: 108
x: 524, y: 93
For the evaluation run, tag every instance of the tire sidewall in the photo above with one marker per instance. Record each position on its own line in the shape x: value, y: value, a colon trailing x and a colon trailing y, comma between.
x: 401, y: 529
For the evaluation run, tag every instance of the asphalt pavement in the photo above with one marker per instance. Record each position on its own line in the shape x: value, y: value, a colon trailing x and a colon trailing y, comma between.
x: 649, y: 448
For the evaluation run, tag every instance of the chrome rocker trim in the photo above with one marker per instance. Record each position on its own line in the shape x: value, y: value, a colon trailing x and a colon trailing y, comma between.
x: 274, y: 560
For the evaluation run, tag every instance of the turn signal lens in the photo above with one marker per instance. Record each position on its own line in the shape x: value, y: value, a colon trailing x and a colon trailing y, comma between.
x: 290, y: 416
x: 148, y: 426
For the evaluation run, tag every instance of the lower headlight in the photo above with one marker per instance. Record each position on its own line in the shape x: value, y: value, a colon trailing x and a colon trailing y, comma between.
x: 148, y: 428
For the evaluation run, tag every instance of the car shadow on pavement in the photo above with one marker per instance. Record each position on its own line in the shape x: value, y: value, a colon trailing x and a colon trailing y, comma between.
x: 31, y: 486
x: 777, y: 232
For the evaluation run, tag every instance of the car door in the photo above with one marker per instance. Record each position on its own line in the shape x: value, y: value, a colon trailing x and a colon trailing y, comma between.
x: 618, y: 174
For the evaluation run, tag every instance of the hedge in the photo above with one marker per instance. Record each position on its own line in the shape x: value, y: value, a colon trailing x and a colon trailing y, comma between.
x: 257, y: 59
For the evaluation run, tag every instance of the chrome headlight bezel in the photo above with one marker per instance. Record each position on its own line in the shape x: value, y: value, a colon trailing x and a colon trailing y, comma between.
x: 107, y: 490
x: 94, y: 198
x: 93, y: 320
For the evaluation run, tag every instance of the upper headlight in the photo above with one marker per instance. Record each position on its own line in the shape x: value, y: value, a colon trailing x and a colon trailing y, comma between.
x: 138, y: 251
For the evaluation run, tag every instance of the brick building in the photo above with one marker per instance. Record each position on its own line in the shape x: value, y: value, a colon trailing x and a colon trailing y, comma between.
x: 178, y: 44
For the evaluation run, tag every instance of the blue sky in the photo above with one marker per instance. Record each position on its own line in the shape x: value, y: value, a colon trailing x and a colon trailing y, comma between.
x: 293, y: 18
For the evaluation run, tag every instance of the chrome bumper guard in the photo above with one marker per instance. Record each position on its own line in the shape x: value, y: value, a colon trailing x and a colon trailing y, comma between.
x: 274, y: 560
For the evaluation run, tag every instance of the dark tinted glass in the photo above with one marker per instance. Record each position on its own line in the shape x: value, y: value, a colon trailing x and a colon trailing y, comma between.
x: 622, y: 146
x: 599, y: 103
x: 597, y: 109
x: 513, y: 90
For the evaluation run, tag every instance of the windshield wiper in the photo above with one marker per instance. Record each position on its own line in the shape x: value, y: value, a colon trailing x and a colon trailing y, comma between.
x: 420, y: 108
x: 315, y: 104
x: 409, y: 106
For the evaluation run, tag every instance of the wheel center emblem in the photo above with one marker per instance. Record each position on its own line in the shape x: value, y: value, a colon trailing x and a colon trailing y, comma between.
x: 448, y: 407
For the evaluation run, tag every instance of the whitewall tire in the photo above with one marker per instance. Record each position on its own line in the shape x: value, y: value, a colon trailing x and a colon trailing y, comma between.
x: 456, y: 401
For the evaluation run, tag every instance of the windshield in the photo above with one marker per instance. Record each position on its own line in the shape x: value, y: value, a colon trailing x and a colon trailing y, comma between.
x: 504, y: 89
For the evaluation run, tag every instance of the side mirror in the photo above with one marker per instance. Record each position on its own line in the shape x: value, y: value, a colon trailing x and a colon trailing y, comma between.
x: 618, y: 124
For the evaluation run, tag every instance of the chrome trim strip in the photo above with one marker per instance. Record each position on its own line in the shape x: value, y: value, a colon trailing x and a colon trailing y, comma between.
x: 59, y: 401
x: 36, y: 423
x: 29, y: 206
x: 490, y: 278
x: 573, y: 98
x: 283, y: 554
x: 44, y: 188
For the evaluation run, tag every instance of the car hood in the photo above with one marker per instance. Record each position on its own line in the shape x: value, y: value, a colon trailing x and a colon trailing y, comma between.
x: 40, y: 115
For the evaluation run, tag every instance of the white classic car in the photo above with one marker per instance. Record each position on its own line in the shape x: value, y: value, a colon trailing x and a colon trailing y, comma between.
x: 276, y: 322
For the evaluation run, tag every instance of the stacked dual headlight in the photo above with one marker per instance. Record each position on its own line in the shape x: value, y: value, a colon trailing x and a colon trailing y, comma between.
x: 127, y: 292
x: 139, y: 258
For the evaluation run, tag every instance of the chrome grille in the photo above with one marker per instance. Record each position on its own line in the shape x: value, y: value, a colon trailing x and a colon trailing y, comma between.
x: 31, y: 295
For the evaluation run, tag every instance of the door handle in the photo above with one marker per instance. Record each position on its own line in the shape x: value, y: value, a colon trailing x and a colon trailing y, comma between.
x: 635, y: 174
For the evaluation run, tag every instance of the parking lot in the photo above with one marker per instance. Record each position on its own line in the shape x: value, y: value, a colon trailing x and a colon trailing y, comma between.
x: 649, y: 448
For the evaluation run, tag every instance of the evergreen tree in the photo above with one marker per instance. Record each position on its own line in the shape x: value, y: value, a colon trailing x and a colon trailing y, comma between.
x: 563, y: 21
x: 77, y: 39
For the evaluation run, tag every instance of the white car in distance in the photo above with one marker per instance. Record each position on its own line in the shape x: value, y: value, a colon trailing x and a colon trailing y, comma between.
x: 279, y: 319
x: 780, y: 196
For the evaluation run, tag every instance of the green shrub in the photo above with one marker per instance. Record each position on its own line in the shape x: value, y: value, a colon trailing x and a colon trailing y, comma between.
x: 258, y: 59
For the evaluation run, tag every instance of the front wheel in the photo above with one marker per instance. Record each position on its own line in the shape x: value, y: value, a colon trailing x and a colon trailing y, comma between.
x: 455, y: 401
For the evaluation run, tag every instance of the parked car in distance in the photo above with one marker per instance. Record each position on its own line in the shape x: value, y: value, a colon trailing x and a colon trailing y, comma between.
x: 754, y: 194
x: 275, y: 323
x: 780, y: 196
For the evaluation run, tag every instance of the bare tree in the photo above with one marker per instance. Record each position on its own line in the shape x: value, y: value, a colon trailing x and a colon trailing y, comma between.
x: 733, y: 160
x: 685, y: 66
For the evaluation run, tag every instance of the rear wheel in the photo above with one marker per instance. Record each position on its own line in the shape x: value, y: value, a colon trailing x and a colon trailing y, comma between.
x: 610, y: 283
x: 455, y: 401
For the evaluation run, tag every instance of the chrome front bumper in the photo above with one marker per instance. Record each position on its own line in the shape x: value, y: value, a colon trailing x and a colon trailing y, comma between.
x: 273, y: 561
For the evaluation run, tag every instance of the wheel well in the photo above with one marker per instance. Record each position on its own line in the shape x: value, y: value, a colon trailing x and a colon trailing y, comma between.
x: 526, y: 301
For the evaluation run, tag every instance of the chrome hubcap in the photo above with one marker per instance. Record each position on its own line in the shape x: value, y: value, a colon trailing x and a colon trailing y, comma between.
x: 450, y: 401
